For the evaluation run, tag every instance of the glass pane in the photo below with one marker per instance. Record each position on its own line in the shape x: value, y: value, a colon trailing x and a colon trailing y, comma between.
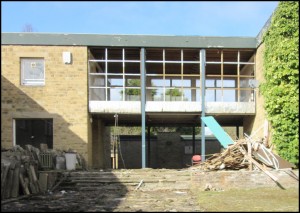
x: 115, y: 54
x: 154, y: 54
x: 174, y: 94
x: 230, y: 69
x: 246, y: 95
x: 244, y: 82
x: 208, y: 83
x: 173, y: 68
x: 213, y: 69
x: 33, y: 69
x: 229, y: 95
x: 132, y: 94
x: 176, y: 83
x: 154, y: 68
x: 115, y: 94
x: 210, y: 95
x: 187, y: 95
x: 155, y: 95
x: 198, y: 95
x: 133, y: 82
x: 218, y: 95
x: 132, y: 54
x: 186, y: 83
x: 246, y: 55
x: 97, y: 67
x: 115, y: 80
x: 114, y: 67
x: 173, y: 55
x: 132, y: 68
x: 230, y: 55
x: 191, y: 69
x: 97, y: 94
x: 97, y: 80
x: 229, y: 83
x: 247, y: 69
x: 191, y: 55
x: 159, y: 83
x: 213, y: 55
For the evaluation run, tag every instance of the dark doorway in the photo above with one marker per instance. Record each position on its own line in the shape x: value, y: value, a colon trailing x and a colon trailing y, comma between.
x: 34, y: 132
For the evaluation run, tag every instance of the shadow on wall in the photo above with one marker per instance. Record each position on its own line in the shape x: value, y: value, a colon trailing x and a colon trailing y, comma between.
x: 18, y: 105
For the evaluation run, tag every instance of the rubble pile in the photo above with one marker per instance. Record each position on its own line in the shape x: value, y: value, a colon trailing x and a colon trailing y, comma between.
x: 21, y: 169
x: 245, y: 153
x: 231, y: 158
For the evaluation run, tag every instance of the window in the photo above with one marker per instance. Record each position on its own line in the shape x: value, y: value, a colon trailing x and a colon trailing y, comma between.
x: 32, y: 71
x: 34, y: 132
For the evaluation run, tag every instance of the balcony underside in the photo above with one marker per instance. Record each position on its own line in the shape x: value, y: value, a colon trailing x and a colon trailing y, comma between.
x: 170, y: 113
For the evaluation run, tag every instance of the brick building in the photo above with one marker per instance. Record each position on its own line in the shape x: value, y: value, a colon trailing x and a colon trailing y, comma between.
x: 67, y: 89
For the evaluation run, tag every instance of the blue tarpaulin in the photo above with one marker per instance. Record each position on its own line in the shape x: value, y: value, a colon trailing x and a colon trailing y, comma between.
x: 217, y: 130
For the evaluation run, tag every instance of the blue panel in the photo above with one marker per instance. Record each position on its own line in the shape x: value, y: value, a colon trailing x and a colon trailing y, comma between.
x: 217, y: 130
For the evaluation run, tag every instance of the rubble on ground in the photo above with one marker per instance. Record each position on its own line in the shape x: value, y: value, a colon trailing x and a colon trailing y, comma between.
x: 246, y: 153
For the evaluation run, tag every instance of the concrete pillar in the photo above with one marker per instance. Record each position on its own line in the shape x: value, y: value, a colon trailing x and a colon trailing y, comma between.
x: 97, y: 144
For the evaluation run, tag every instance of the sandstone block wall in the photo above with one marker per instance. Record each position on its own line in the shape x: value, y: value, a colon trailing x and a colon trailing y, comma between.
x: 64, y: 97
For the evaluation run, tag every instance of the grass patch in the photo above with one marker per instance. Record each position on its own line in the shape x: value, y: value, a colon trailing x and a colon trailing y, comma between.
x: 249, y: 200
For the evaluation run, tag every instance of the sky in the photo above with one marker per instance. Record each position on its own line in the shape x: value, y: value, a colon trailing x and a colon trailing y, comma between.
x: 191, y: 18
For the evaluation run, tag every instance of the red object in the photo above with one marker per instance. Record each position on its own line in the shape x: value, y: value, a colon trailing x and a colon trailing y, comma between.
x: 196, y: 159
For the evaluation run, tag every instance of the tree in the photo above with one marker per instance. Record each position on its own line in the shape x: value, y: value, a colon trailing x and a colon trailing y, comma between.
x: 27, y: 28
x: 281, y: 73
x: 133, y: 91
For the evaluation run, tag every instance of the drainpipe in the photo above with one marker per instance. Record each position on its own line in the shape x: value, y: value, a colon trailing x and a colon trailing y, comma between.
x: 202, y: 69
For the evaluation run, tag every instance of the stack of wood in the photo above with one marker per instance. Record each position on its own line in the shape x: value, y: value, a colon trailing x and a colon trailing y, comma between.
x: 19, y: 168
x: 231, y: 158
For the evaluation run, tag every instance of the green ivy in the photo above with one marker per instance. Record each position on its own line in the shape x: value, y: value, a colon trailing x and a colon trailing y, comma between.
x: 281, y: 72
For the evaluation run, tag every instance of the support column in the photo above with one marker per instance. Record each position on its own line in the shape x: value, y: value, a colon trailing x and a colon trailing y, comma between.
x: 194, y: 141
x: 149, y: 146
x: 202, y: 70
x: 238, y: 131
x: 143, y: 102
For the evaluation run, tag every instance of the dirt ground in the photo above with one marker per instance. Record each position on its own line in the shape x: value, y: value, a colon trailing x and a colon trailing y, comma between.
x: 237, y: 200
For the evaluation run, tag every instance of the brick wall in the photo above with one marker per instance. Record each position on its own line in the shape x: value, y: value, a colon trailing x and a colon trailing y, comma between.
x: 63, y: 97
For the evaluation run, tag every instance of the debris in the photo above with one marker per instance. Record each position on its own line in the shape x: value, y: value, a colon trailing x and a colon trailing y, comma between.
x: 22, y: 168
x: 141, y: 182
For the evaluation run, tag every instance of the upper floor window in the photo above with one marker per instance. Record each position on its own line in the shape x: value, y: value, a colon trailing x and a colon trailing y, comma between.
x: 32, y: 71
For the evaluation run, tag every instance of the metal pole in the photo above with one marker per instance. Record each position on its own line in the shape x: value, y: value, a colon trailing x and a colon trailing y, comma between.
x: 194, y: 141
x: 202, y: 70
x: 143, y: 102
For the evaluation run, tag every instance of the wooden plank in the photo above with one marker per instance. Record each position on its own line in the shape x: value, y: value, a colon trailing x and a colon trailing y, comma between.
x: 250, y: 155
x: 23, y: 184
x: 15, y: 181
x: 8, y: 185
x: 3, y: 177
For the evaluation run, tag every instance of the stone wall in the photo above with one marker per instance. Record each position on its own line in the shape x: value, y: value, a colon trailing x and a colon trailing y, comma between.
x: 63, y: 98
x: 256, y: 123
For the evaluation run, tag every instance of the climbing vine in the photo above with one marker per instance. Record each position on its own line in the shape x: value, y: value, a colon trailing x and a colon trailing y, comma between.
x: 281, y: 72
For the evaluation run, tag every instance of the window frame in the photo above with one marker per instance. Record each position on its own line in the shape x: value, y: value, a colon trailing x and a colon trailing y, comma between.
x: 32, y: 82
